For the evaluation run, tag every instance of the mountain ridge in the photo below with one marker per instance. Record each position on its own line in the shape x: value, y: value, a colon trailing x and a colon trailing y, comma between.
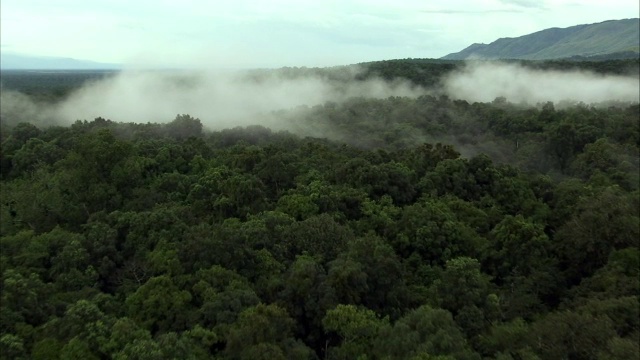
x: 10, y: 61
x: 584, y: 40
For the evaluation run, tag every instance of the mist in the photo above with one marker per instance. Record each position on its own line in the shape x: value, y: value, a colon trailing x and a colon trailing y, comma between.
x: 481, y: 81
x: 218, y: 99
x: 17, y: 107
x: 223, y: 99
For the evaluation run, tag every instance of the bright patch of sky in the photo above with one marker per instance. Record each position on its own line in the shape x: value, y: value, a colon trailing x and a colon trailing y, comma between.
x: 275, y: 33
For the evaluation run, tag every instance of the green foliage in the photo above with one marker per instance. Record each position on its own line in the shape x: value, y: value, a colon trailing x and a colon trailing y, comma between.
x: 432, y: 231
x: 267, y: 330
x: 159, y: 305
x: 462, y: 284
x: 318, y: 236
x: 357, y: 329
x: 516, y: 245
x: 608, y: 221
x: 149, y: 241
x: 221, y: 296
x: 424, y: 332
x: 184, y: 127
x: 571, y: 335
x: 13, y: 347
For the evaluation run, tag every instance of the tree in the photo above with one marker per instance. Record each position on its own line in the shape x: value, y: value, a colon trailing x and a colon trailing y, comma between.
x: 517, y: 245
x: 606, y: 159
x: 392, y: 179
x: 357, y: 328
x: 619, y: 278
x: 571, y: 335
x: 125, y: 336
x: 77, y: 349
x: 298, y: 206
x: 319, y: 236
x: 386, y: 289
x: 13, y: 347
x: 25, y: 131
x: 618, y: 348
x: 24, y: 297
x: 34, y: 153
x: 508, y: 339
x: 462, y: 283
x: 347, y: 280
x: 46, y: 349
x: 307, y: 297
x: 431, y: 230
x: 70, y: 268
x: 159, y: 305
x: 562, y: 144
x: 266, y: 329
x: 604, y: 223
x: 221, y: 295
x: 519, y: 258
x: 183, y: 127
x: 424, y: 331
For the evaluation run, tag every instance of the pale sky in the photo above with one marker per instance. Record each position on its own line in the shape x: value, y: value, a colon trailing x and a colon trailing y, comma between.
x: 251, y: 33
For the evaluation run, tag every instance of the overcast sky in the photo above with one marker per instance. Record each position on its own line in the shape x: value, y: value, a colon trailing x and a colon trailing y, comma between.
x: 274, y: 33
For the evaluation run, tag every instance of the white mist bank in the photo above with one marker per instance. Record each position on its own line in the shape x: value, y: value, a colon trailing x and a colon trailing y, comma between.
x: 17, y: 107
x: 218, y: 99
x: 485, y: 81
x: 228, y: 99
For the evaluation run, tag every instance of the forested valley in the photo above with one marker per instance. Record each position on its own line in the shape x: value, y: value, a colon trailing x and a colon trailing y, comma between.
x: 405, y: 228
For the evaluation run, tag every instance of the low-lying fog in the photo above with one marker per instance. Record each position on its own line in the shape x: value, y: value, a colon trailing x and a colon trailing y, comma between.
x: 224, y: 99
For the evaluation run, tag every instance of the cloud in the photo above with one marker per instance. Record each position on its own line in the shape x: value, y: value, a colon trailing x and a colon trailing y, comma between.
x: 532, y: 4
x: 471, y: 12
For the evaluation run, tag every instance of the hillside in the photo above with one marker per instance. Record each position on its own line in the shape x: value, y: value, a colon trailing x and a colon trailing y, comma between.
x: 614, y: 38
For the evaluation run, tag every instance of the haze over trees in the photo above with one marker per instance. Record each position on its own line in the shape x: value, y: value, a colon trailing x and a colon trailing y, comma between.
x: 408, y: 227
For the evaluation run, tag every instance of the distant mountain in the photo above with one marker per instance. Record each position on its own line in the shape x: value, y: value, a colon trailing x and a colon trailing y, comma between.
x: 609, y: 39
x: 25, y: 62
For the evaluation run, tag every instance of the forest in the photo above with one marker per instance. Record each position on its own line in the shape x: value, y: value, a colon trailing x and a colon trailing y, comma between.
x: 420, y: 227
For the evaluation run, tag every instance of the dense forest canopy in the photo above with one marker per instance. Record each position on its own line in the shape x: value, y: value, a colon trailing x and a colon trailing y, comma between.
x: 399, y: 227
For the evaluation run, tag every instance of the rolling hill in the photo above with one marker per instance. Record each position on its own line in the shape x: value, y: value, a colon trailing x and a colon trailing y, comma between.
x: 608, y: 39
